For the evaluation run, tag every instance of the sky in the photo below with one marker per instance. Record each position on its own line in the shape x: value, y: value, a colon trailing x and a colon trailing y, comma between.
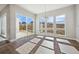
x: 24, y: 19
x: 59, y: 19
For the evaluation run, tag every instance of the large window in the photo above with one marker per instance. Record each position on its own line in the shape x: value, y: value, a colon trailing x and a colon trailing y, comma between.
x: 29, y: 23
x: 50, y: 22
x: 42, y: 25
x: 24, y: 25
x: 60, y: 24
x: 21, y: 23
x: 52, y: 25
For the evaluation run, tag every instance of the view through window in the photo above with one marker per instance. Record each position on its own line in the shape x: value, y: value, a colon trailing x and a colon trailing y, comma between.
x: 60, y: 24
x: 50, y: 22
x: 53, y: 25
x: 29, y: 22
x: 42, y: 25
x: 24, y: 25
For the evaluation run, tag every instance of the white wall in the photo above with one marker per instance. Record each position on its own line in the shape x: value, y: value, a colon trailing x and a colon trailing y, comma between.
x: 0, y: 25
x: 77, y: 22
x: 70, y: 24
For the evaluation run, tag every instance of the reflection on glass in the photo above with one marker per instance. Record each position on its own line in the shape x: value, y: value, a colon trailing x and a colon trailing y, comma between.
x: 50, y: 25
x: 42, y: 24
x: 60, y: 24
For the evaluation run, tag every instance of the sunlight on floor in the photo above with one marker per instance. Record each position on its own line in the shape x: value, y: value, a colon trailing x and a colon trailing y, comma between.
x: 35, y: 40
x: 68, y: 49
x: 22, y: 34
x: 26, y: 48
x: 63, y: 40
x: 50, y: 38
x: 42, y: 50
x: 48, y: 44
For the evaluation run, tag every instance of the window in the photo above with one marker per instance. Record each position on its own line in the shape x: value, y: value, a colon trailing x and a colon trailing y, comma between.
x: 24, y: 25
x: 42, y: 24
x: 21, y: 19
x: 3, y: 25
x: 60, y: 24
x: 50, y: 21
x: 52, y: 25
x: 29, y: 24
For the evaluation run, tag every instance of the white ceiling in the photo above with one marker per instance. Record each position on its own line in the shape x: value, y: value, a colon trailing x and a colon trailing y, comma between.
x: 39, y: 8
x: 2, y: 6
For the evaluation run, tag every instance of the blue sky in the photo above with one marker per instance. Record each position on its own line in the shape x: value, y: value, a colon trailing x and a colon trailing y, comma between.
x: 60, y: 20
x: 24, y: 19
